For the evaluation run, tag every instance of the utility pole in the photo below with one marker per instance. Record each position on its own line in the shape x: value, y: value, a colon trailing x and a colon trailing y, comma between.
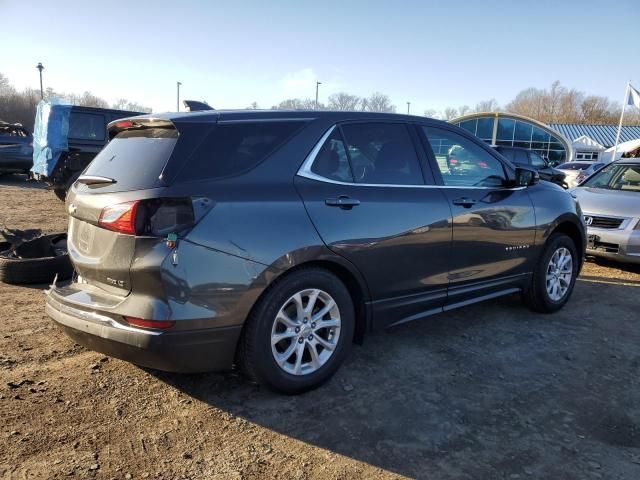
x: 40, y: 67
x: 178, y: 99
x: 317, y: 85
x: 408, y: 107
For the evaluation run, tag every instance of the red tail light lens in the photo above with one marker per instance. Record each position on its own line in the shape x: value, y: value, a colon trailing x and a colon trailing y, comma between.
x: 141, y: 322
x: 120, y: 218
x: 156, y: 217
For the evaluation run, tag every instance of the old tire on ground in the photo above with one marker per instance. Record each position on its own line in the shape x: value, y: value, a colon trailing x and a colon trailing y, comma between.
x: 554, y: 276
x: 35, y: 261
x: 299, y: 332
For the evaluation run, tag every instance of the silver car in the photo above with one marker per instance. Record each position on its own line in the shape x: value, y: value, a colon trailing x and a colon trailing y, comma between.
x: 610, y: 201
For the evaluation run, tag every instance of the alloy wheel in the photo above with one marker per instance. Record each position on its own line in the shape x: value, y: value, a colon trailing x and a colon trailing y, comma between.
x: 305, y: 332
x: 559, y: 274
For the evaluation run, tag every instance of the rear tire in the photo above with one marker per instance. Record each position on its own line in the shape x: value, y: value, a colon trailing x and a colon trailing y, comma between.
x: 554, y: 276
x: 288, y: 343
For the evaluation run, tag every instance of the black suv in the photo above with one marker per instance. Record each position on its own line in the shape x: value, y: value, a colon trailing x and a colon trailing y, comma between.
x: 528, y: 158
x: 274, y: 239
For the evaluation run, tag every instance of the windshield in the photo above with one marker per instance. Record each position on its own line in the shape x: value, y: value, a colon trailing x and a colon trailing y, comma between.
x: 616, y: 177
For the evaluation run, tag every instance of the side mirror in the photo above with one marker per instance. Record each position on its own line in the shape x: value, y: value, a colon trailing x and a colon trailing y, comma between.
x: 526, y: 177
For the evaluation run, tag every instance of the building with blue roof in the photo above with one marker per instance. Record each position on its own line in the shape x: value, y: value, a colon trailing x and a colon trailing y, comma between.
x: 557, y: 142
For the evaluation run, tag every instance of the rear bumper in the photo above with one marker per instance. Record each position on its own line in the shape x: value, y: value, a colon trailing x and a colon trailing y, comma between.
x: 200, y: 350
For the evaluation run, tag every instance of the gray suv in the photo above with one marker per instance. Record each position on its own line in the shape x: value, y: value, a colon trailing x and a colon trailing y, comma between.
x: 273, y: 240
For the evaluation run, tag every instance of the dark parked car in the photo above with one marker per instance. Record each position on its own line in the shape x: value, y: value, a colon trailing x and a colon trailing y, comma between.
x: 15, y: 148
x: 274, y: 239
x: 528, y: 158
x: 87, y: 135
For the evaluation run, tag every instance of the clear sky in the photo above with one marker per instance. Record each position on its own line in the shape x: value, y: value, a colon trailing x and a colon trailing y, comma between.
x: 231, y: 53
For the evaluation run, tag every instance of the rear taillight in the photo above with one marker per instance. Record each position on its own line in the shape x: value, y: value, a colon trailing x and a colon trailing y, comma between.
x: 155, y: 217
x: 120, y: 218
x: 144, y: 323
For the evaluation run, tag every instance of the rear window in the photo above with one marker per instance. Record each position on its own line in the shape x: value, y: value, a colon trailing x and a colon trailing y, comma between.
x: 134, y: 158
x: 87, y: 126
x: 234, y: 148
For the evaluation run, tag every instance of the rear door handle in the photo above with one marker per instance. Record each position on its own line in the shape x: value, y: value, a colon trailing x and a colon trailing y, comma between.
x: 465, y: 202
x: 343, y: 201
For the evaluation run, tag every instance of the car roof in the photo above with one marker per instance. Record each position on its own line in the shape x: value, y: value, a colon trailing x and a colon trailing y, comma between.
x: 250, y: 114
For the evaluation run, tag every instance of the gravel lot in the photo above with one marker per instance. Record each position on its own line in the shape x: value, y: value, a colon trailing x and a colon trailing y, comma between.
x: 492, y: 391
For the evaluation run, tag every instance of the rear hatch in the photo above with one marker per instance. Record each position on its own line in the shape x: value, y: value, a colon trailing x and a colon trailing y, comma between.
x: 133, y: 197
x: 105, y: 200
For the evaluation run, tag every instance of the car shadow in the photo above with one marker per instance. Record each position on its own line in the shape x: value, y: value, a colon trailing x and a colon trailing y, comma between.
x: 473, y: 393
x: 21, y: 180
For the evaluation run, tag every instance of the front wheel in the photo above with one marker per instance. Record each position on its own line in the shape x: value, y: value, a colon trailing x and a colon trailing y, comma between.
x: 555, y: 275
x: 299, y: 333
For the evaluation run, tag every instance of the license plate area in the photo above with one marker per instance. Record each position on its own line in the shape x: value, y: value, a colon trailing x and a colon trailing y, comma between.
x: 86, y: 233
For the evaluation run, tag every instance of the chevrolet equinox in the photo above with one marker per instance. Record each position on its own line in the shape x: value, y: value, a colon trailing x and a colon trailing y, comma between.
x: 273, y: 240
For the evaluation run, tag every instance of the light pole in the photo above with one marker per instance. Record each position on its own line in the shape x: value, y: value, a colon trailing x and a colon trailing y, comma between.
x: 40, y: 67
x: 317, y: 85
x: 178, y: 99
x: 408, y: 107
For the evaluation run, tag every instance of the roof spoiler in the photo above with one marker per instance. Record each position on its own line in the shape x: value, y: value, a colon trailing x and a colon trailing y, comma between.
x: 196, y: 106
x: 136, y: 123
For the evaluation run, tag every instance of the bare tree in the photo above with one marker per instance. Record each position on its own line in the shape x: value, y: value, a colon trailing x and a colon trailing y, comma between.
x: 124, y: 104
x: 449, y: 113
x: 378, y: 102
x: 345, y: 101
x: 596, y: 109
x: 5, y: 86
x: 298, y: 104
x: 430, y: 112
x: 490, y: 105
x: 463, y: 110
x: 253, y: 106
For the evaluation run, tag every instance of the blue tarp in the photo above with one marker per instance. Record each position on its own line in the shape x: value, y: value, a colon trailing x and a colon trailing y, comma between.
x: 50, y: 135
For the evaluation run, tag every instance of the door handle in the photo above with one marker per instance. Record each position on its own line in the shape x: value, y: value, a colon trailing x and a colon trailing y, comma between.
x: 465, y: 202
x: 343, y: 201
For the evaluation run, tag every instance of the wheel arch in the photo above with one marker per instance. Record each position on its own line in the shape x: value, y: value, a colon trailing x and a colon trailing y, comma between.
x: 347, y: 274
x: 569, y: 228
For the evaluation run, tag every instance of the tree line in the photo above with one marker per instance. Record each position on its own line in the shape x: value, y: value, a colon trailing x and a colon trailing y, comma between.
x: 376, y: 102
x: 20, y: 106
x: 556, y: 104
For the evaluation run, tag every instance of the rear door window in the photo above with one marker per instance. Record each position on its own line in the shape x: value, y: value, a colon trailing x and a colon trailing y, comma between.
x: 234, y: 148
x: 87, y: 126
x: 382, y: 153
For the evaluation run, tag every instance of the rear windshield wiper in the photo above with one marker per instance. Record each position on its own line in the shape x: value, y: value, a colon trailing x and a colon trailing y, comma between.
x: 95, y: 180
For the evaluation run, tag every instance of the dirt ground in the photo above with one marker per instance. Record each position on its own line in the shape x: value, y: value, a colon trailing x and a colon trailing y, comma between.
x: 487, y: 392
